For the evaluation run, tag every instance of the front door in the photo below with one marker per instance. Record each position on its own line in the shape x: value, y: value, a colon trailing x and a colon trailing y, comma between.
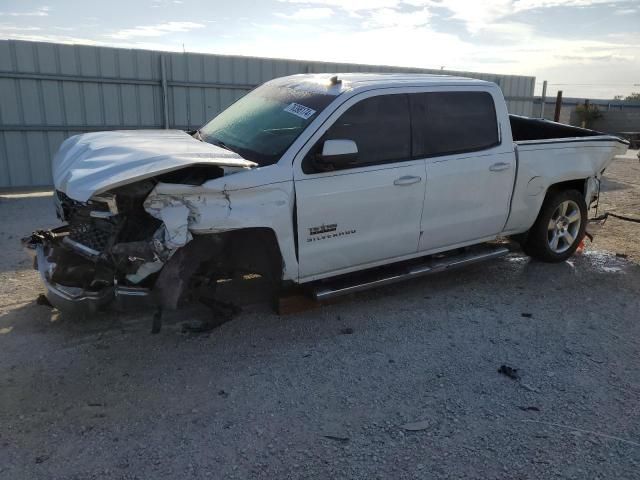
x: 369, y: 211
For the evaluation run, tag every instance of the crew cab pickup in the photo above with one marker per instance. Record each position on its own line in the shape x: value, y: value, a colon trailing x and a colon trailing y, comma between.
x: 309, y: 179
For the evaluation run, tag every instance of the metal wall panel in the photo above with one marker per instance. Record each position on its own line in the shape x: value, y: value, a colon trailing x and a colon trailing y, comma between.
x: 49, y: 92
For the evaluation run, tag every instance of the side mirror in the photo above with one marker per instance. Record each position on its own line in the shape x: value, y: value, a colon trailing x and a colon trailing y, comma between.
x: 338, y: 153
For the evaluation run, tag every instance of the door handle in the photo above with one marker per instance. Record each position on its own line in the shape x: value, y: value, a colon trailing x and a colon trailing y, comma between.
x: 406, y: 180
x: 500, y: 166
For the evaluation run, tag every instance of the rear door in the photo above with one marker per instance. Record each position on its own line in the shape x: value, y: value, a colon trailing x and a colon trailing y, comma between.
x: 470, y: 170
x: 368, y: 211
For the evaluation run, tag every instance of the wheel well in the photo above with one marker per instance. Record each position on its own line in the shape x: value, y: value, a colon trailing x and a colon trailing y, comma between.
x: 254, y: 250
x: 579, y: 185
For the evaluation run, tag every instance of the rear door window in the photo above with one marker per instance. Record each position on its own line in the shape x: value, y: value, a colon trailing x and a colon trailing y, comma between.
x: 446, y: 123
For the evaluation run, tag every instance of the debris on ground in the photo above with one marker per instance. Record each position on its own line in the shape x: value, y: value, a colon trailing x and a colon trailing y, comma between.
x: 512, y: 373
x: 346, y: 331
x: 527, y: 315
x: 509, y: 372
x: 43, y: 300
x: 337, y: 438
x: 222, y: 312
x: 416, y: 426
x: 530, y: 409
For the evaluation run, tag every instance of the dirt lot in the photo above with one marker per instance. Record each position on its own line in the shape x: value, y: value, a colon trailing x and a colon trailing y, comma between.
x: 300, y: 397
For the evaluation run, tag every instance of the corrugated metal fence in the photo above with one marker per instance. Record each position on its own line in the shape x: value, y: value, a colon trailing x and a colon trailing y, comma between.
x: 49, y: 92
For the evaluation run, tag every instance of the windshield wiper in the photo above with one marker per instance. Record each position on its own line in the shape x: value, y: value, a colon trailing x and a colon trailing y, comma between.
x: 220, y: 143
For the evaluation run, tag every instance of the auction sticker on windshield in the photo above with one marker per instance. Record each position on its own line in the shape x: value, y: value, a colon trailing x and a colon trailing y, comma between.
x: 299, y: 110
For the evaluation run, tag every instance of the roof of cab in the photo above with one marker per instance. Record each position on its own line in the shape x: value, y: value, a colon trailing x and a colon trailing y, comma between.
x: 321, y: 82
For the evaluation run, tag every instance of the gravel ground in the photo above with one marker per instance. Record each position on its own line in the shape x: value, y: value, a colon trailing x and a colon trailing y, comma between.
x: 328, y: 393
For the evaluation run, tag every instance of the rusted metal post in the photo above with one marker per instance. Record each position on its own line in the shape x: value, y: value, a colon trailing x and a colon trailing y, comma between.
x: 556, y: 114
x: 543, y: 98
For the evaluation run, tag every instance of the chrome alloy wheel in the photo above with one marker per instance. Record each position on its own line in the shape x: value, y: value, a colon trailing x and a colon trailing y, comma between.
x: 564, y: 226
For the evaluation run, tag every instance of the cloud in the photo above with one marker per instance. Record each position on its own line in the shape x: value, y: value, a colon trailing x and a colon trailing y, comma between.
x: 520, y: 5
x: 595, y: 58
x: 165, y: 3
x: 313, y: 13
x: 626, y: 11
x: 510, y: 48
x: 39, y: 12
x: 475, y: 14
x: 389, y: 17
x: 505, y: 32
x: 14, y: 35
x: 350, y: 5
x: 157, y: 30
x: 15, y: 28
x: 409, y: 33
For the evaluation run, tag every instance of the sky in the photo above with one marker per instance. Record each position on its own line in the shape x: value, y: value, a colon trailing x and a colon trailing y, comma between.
x: 587, y: 48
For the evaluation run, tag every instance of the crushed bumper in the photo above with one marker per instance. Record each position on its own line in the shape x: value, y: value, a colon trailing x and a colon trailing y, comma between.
x: 78, y: 300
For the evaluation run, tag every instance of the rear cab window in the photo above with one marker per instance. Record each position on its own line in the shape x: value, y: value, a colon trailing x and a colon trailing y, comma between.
x: 446, y: 123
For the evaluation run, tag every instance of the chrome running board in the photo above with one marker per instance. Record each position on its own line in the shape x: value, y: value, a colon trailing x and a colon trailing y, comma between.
x: 379, y: 278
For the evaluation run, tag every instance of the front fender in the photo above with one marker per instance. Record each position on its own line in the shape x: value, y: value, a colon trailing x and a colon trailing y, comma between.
x: 221, y: 210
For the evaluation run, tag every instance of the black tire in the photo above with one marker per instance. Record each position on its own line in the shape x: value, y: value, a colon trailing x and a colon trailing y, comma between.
x: 537, y: 243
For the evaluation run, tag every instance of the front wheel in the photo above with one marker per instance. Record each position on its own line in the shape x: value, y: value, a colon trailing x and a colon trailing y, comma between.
x: 559, y: 228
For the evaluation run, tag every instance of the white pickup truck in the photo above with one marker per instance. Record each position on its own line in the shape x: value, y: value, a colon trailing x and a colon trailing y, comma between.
x: 336, y: 182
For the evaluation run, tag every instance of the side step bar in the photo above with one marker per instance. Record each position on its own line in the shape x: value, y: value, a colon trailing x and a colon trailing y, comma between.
x: 325, y: 291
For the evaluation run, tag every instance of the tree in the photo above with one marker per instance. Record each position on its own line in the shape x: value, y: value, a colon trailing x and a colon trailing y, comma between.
x: 634, y: 97
x: 587, y: 114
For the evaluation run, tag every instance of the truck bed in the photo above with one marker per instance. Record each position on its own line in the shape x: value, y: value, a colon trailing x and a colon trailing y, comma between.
x: 526, y: 129
x: 549, y: 152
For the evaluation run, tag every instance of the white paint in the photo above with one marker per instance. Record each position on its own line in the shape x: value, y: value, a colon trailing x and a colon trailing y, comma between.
x: 454, y: 200
x: 553, y: 162
x: 175, y: 218
x: 374, y: 218
x: 92, y: 163
x: 145, y: 270
x: 245, y: 200
x: 466, y: 201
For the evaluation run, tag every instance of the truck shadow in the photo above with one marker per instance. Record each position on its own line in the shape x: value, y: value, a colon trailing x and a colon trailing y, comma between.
x: 490, y: 281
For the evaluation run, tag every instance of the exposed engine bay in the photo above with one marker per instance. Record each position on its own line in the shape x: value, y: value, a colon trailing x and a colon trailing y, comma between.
x: 119, y: 245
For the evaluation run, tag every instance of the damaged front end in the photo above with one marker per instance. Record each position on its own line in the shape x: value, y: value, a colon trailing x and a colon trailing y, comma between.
x: 111, y: 252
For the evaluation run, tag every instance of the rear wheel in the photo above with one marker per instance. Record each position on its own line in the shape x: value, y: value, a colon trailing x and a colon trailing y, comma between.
x: 559, y: 228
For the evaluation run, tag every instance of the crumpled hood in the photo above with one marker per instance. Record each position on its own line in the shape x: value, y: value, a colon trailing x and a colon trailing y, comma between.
x: 92, y: 163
